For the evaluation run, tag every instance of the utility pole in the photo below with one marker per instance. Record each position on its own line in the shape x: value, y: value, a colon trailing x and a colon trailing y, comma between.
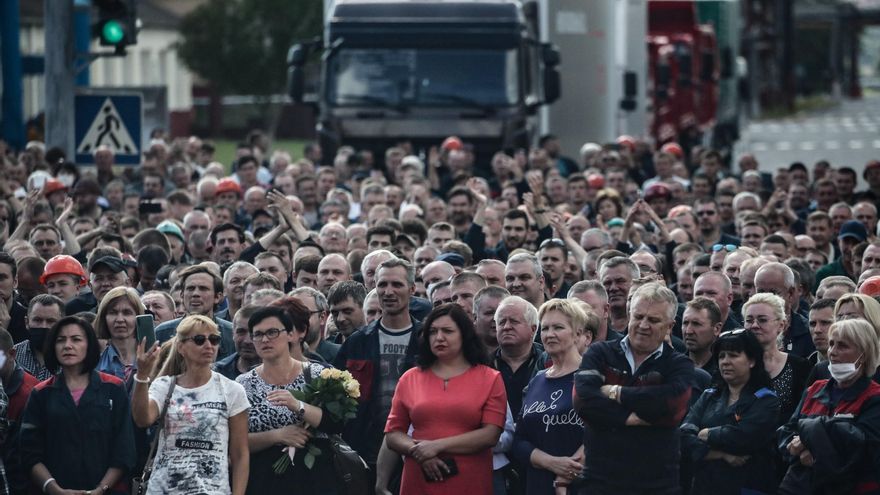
x: 60, y: 74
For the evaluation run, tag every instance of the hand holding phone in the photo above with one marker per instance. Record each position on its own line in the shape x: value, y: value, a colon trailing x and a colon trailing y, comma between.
x: 146, y: 329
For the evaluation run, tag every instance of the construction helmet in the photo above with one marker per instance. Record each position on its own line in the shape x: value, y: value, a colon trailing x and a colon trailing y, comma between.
x: 63, y: 265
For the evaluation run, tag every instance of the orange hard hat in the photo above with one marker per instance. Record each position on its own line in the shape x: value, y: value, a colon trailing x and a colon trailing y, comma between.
x: 227, y: 185
x: 673, y: 149
x: 63, y: 265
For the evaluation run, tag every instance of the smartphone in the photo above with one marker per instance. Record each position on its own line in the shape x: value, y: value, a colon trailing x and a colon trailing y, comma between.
x: 452, y: 469
x: 147, y: 207
x: 145, y: 329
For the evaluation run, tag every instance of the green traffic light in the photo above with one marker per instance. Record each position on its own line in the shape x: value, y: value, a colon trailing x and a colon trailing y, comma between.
x: 112, y: 32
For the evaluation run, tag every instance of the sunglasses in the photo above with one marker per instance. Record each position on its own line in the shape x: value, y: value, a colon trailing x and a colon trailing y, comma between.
x: 200, y: 340
x: 731, y: 333
x: 727, y: 247
x: 552, y: 242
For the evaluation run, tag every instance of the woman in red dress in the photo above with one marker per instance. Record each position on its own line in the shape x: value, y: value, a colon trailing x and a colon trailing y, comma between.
x: 456, y: 406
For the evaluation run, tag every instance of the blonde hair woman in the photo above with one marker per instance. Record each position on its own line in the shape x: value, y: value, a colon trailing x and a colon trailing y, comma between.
x: 206, y: 423
x: 764, y: 315
x: 549, y: 433
x: 850, y: 307
x: 853, y: 353
x: 115, y: 323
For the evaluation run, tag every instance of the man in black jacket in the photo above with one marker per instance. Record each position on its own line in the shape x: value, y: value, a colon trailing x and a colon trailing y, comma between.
x: 632, y: 395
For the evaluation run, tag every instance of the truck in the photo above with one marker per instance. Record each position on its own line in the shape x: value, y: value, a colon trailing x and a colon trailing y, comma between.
x: 694, y: 76
x: 421, y: 70
x: 604, y: 66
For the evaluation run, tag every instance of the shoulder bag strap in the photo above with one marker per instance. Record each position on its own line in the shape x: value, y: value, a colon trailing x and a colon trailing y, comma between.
x: 307, y: 372
x: 148, y: 466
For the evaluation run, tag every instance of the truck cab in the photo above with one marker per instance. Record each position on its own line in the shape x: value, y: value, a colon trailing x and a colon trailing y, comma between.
x: 421, y: 70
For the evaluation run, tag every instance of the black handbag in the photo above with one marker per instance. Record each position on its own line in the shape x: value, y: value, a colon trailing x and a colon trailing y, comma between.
x: 139, y: 485
x: 352, y: 473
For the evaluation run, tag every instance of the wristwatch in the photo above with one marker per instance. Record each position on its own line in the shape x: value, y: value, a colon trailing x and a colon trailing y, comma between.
x: 302, y: 408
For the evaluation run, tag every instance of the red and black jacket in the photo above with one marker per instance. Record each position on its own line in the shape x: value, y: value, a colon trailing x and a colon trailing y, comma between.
x: 858, y: 405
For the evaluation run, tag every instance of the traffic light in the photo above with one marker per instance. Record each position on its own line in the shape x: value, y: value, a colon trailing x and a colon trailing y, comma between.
x: 115, y: 22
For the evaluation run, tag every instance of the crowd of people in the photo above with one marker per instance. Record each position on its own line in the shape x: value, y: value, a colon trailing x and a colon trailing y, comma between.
x: 630, y: 321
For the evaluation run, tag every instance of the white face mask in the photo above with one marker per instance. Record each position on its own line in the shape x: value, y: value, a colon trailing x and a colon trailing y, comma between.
x: 843, y: 372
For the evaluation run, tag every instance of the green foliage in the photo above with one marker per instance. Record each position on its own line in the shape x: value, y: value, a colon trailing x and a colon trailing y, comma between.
x: 240, y: 46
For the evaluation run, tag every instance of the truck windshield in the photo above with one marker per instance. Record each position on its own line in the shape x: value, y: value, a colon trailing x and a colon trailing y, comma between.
x: 398, y: 77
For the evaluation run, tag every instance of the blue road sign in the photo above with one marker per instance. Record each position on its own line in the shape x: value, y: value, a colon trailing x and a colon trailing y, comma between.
x: 110, y: 120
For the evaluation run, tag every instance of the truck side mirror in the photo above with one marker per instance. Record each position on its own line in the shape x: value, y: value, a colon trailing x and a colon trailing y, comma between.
x: 296, y: 82
x: 549, y: 55
x: 296, y: 56
x: 707, y: 67
x: 630, y: 91
x: 552, y: 85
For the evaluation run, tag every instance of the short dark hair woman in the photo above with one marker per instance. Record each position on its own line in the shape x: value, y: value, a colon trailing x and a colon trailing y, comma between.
x: 456, y: 406
x: 728, y: 433
x: 276, y: 418
x: 77, y: 432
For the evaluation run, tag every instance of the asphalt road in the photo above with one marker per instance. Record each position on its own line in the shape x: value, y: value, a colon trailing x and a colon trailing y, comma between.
x: 845, y: 135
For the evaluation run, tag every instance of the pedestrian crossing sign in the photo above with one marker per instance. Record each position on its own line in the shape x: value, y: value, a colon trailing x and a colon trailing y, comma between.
x: 108, y: 120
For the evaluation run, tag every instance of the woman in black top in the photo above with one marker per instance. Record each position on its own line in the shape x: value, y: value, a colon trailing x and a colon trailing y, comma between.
x: 728, y: 433
x: 77, y: 432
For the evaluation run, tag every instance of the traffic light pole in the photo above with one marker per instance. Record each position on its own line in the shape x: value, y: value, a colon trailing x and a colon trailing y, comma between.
x: 60, y: 74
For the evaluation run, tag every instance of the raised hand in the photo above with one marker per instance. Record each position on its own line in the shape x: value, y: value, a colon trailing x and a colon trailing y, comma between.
x: 474, y: 185
x: 146, y: 358
x: 66, y: 211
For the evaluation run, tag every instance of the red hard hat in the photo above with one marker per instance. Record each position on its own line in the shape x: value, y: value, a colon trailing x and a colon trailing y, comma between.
x: 596, y: 181
x: 53, y: 185
x: 657, y: 190
x: 673, y: 149
x: 227, y: 185
x: 452, y: 143
x: 628, y: 141
x: 63, y: 265
x: 871, y: 286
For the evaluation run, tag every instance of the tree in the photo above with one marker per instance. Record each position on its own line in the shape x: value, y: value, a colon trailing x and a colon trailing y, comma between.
x: 240, y: 46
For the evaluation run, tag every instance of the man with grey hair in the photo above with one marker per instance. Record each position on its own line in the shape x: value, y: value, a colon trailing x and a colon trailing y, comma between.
x: 437, y: 271
x: 319, y: 311
x: 617, y: 275
x: 524, y: 277
x: 746, y: 201
x: 518, y: 357
x: 623, y: 387
x: 492, y: 271
x: 778, y: 278
x: 233, y: 287
x: 370, y: 263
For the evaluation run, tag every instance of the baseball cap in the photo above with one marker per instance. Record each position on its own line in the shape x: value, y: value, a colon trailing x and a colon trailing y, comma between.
x: 453, y: 259
x: 657, y: 190
x: 854, y: 229
x: 115, y: 264
x: 168, y: 227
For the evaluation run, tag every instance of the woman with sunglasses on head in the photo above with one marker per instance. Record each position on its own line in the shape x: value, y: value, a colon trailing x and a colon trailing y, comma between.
x: 727, y: 435
x: 276, y: 418
x: 831, y: 441
x: 203, y: 441
x: 764, y: 315
x: 76, y: 432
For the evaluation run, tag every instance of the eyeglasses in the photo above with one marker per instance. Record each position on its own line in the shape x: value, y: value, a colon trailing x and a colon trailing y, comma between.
x: 200, y: 340
x: 731, y: 333
x: 727, y: 247
x: 759, y: 321
x: 557, y: 242
x: 270, y: 334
